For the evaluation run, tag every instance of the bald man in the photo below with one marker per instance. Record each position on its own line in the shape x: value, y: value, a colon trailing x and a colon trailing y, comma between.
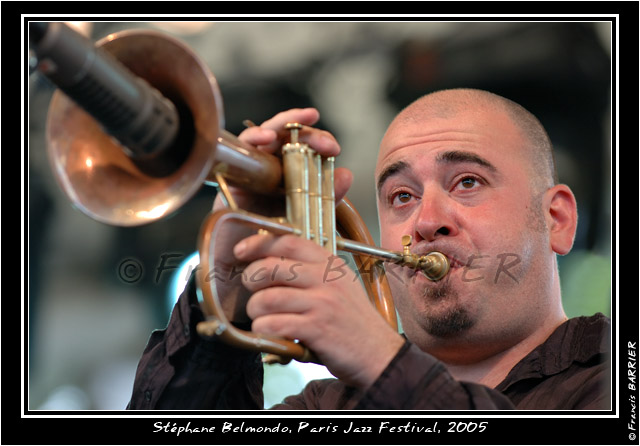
x: 466, y: 173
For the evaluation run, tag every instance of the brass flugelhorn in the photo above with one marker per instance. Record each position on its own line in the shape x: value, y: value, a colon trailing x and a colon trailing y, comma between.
x: 137, y: 128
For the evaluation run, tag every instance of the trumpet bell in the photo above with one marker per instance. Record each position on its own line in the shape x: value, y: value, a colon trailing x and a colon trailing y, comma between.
x: 97, y: 173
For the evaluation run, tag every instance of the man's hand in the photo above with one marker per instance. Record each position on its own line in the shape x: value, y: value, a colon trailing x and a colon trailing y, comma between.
x: 294, y: 298
x: 268, y: 137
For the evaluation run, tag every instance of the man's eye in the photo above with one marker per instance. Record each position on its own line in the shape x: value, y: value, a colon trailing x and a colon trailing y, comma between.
x: 468, y: 183
x: 401, y: 198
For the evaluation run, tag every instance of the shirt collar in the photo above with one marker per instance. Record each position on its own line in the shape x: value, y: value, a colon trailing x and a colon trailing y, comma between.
x: 577, y: 340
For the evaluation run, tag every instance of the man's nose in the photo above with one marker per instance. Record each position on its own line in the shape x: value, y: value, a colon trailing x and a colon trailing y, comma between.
x: 435, y: 218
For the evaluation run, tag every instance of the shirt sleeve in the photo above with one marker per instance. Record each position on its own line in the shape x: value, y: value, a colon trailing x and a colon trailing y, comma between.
x: 179, y: 370
x: 415, y: 380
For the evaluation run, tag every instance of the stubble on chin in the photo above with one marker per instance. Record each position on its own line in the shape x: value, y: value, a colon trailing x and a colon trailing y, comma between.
x: 445, y: 317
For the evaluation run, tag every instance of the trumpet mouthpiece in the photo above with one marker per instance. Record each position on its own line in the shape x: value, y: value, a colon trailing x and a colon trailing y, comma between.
x: 434, y: 265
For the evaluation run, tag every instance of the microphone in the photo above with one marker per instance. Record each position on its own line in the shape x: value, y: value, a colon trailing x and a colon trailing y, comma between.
x: 128, y: 108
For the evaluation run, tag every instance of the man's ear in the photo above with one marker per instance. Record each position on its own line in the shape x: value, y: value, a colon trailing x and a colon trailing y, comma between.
x: 562, y: 218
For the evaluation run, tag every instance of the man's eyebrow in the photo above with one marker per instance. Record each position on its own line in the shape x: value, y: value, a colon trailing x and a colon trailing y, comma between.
x: 392, y: 169
x: 460, y: 156
x: 452, y: 156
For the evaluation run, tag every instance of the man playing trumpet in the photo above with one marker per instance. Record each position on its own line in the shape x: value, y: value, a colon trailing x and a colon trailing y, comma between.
x: 463, y: 172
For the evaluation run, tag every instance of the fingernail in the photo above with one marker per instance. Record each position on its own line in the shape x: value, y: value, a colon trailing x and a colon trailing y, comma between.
x: 239, y: 249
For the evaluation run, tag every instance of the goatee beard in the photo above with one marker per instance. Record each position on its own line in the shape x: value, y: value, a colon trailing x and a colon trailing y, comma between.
x: 450, y: 321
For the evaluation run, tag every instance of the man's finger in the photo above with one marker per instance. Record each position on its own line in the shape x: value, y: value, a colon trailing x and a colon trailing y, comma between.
x: 305, y: 116
x: 288, y: 246
x: 342, y: 180
x: 276, y: 300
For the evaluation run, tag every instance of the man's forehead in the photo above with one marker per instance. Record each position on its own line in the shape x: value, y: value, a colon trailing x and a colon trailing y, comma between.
x: 483, y: 130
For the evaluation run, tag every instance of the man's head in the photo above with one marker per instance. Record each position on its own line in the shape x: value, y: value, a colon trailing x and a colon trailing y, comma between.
x: 471, y: 174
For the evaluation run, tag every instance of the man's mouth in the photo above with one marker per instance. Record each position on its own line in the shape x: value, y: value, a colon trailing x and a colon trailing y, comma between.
x: 452, y: 257
x: 454, y: 262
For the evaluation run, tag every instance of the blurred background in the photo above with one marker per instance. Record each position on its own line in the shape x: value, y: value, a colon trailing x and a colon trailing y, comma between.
x: 95, y: 292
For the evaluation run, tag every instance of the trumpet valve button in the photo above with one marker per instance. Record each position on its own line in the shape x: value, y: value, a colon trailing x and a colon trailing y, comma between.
x: 294, y: 128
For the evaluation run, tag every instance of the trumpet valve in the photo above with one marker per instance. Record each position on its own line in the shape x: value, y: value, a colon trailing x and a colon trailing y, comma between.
x: 294, y: 128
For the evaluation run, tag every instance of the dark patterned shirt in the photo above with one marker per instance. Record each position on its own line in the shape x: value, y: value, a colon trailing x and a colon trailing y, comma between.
x: 181, y: 371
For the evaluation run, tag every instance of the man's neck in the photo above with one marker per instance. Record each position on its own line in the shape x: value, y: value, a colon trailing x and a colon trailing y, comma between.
x: 493, y: 370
